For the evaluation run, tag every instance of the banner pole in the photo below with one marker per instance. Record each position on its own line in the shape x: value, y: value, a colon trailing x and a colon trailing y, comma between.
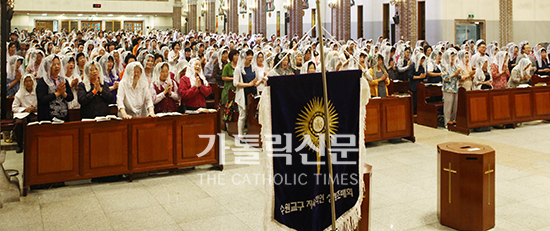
x: 327, y: 130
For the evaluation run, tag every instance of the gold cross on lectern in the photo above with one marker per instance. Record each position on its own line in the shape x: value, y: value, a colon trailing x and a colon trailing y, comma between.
x: 489, y: 178
x: 450, y: 170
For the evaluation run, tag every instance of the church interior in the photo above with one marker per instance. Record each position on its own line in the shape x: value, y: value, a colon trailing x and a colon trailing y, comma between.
x: 187, y: 169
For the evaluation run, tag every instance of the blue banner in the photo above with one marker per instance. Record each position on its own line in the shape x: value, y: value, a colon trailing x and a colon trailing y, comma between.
x: 300, y: 170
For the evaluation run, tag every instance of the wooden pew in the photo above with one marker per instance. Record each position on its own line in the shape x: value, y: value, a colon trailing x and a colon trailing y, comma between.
x: 252, y: 123
x: 398, y: 86
x: 427, y: 112
x: 538, y: 79
x: 485, y: 108
x: 364, y: 223
x: 389, y: 118
x: 9, y: 123
x: 83, y: 150
x: 232, y: 128
x: 215, y: 102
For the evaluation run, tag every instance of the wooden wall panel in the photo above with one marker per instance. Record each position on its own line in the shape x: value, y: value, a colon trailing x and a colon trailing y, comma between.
x: 501, y: 107
x: 105, y: 149
x: 152, y: 145
x: 522, y: 105
x: 542, y: 103
x: 51, y: 154
x: 478, y: 110
x: 189, y: 144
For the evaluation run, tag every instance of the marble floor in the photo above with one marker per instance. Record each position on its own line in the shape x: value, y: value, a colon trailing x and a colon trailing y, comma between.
x: 403, y: 191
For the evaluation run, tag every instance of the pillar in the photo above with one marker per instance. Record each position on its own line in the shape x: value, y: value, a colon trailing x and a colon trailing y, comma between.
x: 335, y: 21
x: 233, y: 17
x: 296, y: 18
x: 413, y: 23
x: 176, y: 15
x: 192, y: 15
x: 262, y: 21
x: 345, y: 24
x: 211, y: 15
x: 506, y: 22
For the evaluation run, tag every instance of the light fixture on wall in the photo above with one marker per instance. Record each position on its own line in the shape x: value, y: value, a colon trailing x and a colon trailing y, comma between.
x: 286, y: 5
x: 395, y: 2
x: 332, y: 4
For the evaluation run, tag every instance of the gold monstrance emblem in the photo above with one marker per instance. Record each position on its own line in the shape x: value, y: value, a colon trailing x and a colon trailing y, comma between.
x: 311, y: 125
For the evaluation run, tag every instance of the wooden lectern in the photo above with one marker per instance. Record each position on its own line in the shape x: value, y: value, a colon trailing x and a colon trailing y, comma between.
x: 466, y: 186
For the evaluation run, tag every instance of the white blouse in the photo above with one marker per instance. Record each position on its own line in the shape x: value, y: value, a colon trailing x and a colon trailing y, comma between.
x: 21, y: 103
x: 135, y: 101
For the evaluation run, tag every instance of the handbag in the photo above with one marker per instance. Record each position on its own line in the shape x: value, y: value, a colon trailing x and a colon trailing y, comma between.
x: 229, y: 110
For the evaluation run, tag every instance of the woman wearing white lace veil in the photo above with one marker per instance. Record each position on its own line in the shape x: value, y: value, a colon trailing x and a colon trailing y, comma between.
x: 520, y: 73
x: 245, y: 80
x: 262, y: 70
x: 15, y: 72
x: 53, y: 91
x: 24, y: 108
x: 134, y: 96
x: 164, y: 89
x: 482, y: 77
x: 34, y: 63
x: 193, y: 87
x: 111, y: 78
x: 94, y: 95
x: 148, y: 63
x: 467, y: 74
x: 69, y: 71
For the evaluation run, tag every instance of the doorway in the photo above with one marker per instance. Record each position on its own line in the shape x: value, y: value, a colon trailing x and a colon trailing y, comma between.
x: 359, y: 21
x: 44, y: 25
x: 133, y: 26
x: 421, y: 20
x: 386, y: 20
x: 93, y: 25
x: 466, y: 29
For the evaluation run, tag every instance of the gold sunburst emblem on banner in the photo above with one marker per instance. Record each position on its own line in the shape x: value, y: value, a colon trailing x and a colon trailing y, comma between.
x: 311, y: 124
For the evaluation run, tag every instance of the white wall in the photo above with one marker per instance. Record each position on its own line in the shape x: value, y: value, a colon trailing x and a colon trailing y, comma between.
x: 86, y: 6
x: 531, y: 21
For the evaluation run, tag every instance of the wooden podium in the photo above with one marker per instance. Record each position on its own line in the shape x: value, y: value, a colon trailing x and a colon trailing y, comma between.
x: 466, y: 186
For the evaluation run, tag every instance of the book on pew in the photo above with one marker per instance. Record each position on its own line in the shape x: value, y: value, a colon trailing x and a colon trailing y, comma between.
x: 206, y: 110
x: 163, y: 114
x: 191, y: 112
x: 39, y: 122
x: 524, y: 85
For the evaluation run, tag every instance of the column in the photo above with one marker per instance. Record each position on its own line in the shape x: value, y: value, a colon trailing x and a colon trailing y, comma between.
x: 345, y: 25
x: 297, y: 18
x: 261, y: 19
x: 233, y: 17
x: 413, y: 22
x: 192, y: 15
x: 335, y: 21
x: 210, y: 15
x: 506, y: 22
x: 176, y: 15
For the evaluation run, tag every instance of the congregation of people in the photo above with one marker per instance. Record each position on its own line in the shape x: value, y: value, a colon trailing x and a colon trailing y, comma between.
x: 167, y: 71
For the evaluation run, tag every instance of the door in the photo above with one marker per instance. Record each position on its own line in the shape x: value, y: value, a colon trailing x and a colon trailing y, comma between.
x: 469, y: 30
x: 422, y: 20
x: 46, y: 25
x: 69, y: 25
x: 112, y: 25
x: 133, y: 26
x: 386, y: 21
x: 359, y: 21
x: 93, y: 25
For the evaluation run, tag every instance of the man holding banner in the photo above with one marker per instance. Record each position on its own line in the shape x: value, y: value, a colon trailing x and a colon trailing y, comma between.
x: 292, y: 113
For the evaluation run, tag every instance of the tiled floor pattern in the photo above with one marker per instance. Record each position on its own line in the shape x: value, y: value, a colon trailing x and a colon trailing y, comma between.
x: 403, y: 192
